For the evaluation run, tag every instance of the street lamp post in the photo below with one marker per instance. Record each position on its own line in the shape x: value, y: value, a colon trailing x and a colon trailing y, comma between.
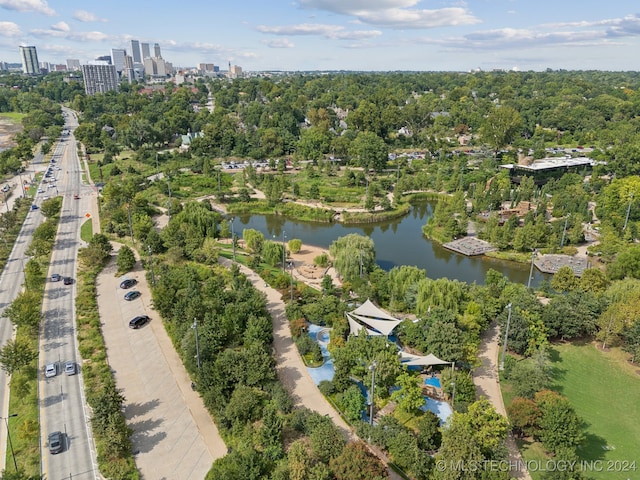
x: 233, y: 238
x: 13, y: 454
x: 533, y: 256
x: 564, y: 231
x: 195, y: 327
x: 372, y: 367
x: 291, y: 266
x: 284, y: 251
x: 506, y: 337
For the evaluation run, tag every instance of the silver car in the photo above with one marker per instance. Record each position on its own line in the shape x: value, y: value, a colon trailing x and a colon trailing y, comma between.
x: 70, y: 368
x: 50, y: 370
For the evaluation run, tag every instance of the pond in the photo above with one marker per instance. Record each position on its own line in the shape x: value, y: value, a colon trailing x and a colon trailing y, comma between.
x: 397, y: 242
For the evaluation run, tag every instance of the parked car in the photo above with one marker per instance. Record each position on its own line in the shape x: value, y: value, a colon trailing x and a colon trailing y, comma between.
x: 76, y: 196
x: 55, y: 442
x: 70, y: 367
x: 34, y: 206
x: 56, y: 277
x: 132, y: 295
x: 139, y: 321
x: 50, y: 370
x: 68, y: 281
x: 128, y: 283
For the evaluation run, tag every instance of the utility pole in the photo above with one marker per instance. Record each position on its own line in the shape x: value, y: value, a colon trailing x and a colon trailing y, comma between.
x: 533, y: 256
x: 13, y: 454
x: 373, y: 386
x: 506, y: 336
x: 195, y: 327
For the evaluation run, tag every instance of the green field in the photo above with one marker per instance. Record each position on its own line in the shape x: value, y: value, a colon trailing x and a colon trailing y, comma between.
x: 605, y: 392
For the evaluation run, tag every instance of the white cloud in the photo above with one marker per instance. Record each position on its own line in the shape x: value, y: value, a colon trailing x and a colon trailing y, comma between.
x: 61, y: 27
x: 327, y: 31
x: 84, y: 16
x: 38, y: 6
x: 75, y: 36
x: 397, y: 14
x: 9, y: 29
x: 279, y: 43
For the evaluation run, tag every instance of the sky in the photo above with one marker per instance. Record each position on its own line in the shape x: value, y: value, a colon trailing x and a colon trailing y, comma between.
x: 368, y: 35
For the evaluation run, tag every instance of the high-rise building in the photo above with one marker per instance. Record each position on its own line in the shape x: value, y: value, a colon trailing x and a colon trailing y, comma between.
x: 156, y: 51
x: 146, y: 53
x: 99, y: 78
x: 117, y: 58
x: 235, y: 71
x: 105, y: 58
x: 73, y: 64
x: 135, y: 51
x: 29, y: 57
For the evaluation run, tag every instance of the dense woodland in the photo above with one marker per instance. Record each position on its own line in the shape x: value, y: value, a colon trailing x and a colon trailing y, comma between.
x: 361, y: 119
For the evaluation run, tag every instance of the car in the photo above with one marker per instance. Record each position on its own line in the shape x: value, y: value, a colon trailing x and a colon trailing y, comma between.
x: 128, y: 283
x: 67, y: 281
x: 40, y: 190
x: 34, y: 207
x: 56, y: 277
x: 55, y: 442
x: 50, y: 370
x: 139, y: 321
x: 70, y: 367
x: 132, y: 295
x: 76, y: 196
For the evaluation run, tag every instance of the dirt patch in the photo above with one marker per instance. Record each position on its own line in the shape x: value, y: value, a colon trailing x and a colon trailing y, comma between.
x: 8, y: 129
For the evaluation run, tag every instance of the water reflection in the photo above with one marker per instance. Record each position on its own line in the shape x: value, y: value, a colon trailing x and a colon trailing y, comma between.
x: 397, y: 242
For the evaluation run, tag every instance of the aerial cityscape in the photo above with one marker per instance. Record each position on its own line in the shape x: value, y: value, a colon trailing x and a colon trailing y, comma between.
x: 381, y: 35
x: 319, y: 240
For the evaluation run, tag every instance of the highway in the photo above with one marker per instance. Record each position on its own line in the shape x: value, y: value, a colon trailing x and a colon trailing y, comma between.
x: 62, y: 402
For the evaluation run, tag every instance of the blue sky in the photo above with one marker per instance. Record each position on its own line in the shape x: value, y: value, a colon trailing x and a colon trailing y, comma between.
x: 376, y: 35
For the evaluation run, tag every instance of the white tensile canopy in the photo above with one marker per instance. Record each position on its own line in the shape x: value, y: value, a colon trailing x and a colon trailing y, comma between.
x: 372, y: 319
x: 409, y: 360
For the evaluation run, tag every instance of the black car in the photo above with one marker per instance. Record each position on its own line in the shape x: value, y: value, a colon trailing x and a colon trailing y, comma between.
x: 67, y: 281
x: 55, y: 442
x: 128, y: 283
x: 138, y: 321
x: 132, y: 295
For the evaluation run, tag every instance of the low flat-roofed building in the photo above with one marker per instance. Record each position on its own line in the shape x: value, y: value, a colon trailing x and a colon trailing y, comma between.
x: 546, y: 168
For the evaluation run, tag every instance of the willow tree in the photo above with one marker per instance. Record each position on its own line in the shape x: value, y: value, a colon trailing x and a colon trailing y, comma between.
x: 353, y: 256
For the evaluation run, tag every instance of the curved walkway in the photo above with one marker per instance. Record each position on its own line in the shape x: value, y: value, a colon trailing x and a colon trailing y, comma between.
x: 487, y: 384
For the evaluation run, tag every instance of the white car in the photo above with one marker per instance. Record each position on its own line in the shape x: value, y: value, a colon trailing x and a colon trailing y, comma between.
x: 50, y: 370
x: 40, y: 190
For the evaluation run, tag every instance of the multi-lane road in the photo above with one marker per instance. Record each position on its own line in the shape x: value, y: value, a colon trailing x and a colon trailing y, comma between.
x: 62, y: 403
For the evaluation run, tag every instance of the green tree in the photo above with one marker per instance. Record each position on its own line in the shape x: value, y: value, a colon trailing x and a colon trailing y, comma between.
x: 429, y: 435
x: 24, y: 311
x: 15, y: 355
x: 524, y: 416
x: 295, y: 244
x: 126, y: 259
x: 409, y: 395
x: 357, y: 463
x: 352, y: 403
x: 254, y: 240
x: 370, y: 151
x: 327, y: 441
x: 564, y: 280
x: 560, y: 426
x: 501, y: 127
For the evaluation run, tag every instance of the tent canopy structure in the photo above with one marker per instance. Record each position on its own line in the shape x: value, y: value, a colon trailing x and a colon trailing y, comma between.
x: 427, y: 360
x: 372, y: 319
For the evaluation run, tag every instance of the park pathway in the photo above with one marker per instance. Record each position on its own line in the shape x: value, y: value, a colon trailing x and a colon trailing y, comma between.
x: 487, y: 384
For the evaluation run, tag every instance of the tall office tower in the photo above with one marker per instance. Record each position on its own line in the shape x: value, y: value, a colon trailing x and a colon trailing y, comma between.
x: 146, y: 53
x: 73, y: 64
x: 29, y: 57
x: 150, y: 67
x: 135, y: 51
x: 99, y: 78
x: 235, y: 71
x: 156, y: 50
x: 117, y: 58
x: 105, y: 58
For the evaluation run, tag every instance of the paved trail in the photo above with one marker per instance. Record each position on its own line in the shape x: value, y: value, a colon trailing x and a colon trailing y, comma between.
x: 487, y: 384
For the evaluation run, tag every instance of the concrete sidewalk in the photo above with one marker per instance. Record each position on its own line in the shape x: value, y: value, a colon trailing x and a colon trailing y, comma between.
x: 487, y: 383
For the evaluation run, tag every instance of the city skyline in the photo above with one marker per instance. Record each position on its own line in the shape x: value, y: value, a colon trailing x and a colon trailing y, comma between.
x: 375, y: 35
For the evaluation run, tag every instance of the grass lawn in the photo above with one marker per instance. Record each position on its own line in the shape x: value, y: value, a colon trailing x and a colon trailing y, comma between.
x: 605, y: 392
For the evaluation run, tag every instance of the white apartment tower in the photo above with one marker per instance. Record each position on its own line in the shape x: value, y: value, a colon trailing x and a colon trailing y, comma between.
x: 30, y: 64
x: 156, y: 51
x: 99, y: 78
x: 73, y: 64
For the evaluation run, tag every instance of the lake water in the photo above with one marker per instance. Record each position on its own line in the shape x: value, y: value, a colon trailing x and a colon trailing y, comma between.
x: 397, y: 242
